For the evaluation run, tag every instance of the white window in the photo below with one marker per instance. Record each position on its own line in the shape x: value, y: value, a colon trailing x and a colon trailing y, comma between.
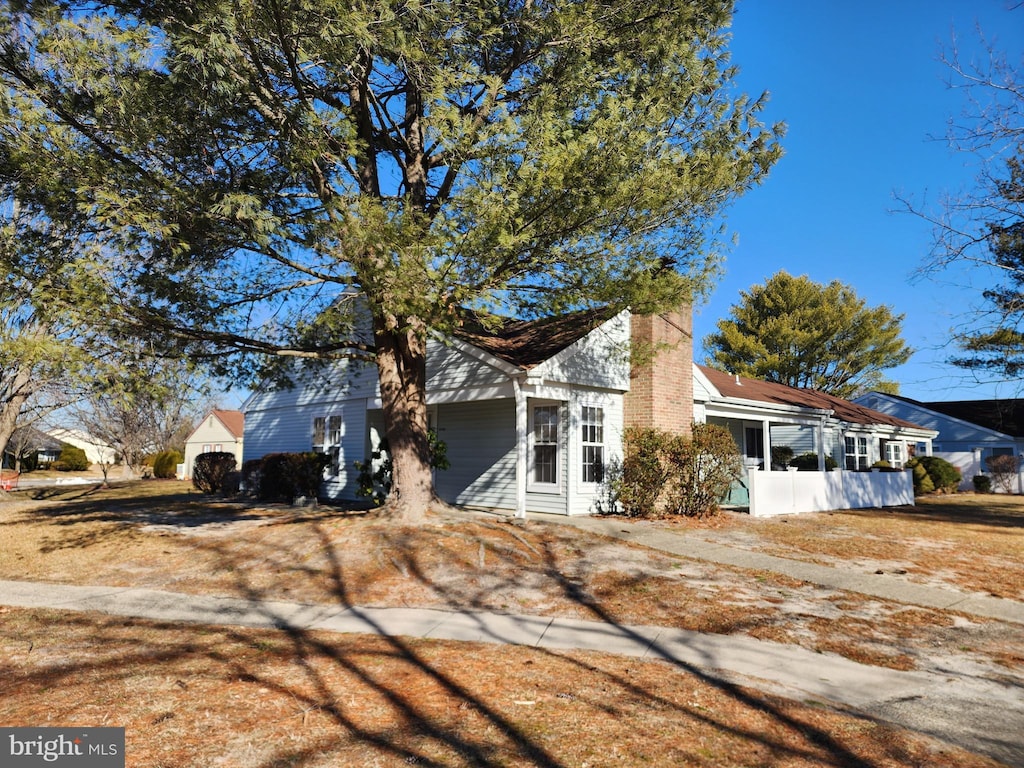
x: 218, y: 447
x: 856, y: 452
x: 592, y: 438
x: 544, y: 435
x: 206, y: 447
x: 319, y: 428
x: 334, y: 430
x: 894, y: 454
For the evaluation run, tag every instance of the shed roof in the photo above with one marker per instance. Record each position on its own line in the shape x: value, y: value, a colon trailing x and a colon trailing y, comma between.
x: 730, y: 385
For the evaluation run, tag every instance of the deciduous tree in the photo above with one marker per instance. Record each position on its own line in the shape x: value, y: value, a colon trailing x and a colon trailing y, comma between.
x: 272, y: 162
x: 983, y: 227
x: 797, y: 332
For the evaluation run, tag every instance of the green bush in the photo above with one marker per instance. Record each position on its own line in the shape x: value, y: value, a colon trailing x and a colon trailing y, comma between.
x: 922, y: 480
x: 71, y: 459
x: 375, y: 483
x: 286, y: 476
x: 933, y: 475
x: 211, y: 471
x: 781, y: 456
x: 808, y: 462
x: 165, y: 464
x: 982, y: 484
x: 665, y: 474
x: 643, y: 472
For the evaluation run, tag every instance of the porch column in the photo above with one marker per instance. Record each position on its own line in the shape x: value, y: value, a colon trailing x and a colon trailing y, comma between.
x: 766, y: 438
x: 821, y: 444
x: 521, y: 447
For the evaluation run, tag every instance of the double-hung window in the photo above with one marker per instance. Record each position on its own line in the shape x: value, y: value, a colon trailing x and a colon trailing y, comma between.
x: 319, y: 433
x: 856, y: 452
x: 592, y: 439
x: 544, y: 445
x: 894, y: 454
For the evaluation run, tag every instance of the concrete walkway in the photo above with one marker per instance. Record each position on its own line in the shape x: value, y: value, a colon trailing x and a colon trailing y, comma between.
x: 886, y: 586
x: 980, y: 714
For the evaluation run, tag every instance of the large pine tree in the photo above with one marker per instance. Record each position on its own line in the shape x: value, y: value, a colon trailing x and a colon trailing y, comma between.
x: 265, y: 161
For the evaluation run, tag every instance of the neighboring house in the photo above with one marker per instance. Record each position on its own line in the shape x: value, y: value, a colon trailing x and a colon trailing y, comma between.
x: 29, y: 442
x: 96, y: 451
x: 530, y: 412
x: 219, y: 431
x: 969, y: 431
x: 762, y: 415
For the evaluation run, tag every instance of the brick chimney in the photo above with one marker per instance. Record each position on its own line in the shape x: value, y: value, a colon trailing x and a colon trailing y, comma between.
x: 661, y: 386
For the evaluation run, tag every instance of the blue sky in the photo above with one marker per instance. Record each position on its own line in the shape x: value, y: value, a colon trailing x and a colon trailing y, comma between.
x: 864, y: 95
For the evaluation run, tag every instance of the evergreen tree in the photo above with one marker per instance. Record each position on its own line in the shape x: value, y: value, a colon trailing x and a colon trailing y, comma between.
x: 268, y: 163
x: 797, y: 332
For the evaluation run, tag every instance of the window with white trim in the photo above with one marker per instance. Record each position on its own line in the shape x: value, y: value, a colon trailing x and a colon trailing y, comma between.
x: 592, y: 439
x: 319, y: 432
x: 856, y: 452
x: 544, y: 444
x: 894, y: 454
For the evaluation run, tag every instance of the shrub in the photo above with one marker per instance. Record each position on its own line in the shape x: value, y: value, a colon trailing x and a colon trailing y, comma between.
x: 1003, y: 470
x: 71, y: 459
x: 781, y: 456
x: 808, y: 462
x: 933, y: 474
x: 165, y: 464
x: 665, y: 474
x: 944, y: 475
x: 250, y: 477
x: 286, y: 476
x: 922, y: 480
x: 982, y: 484
x: 375, y: 484
x: 643, y: 472
x: 211, y: 471
x: 701, y: 469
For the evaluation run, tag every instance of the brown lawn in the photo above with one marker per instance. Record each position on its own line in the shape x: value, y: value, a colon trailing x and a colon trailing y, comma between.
x: 327, y: 700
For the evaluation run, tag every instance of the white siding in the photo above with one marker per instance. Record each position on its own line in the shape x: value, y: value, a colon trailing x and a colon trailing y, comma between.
x: 211, y: 432
x: 330, y: 383
x: 449, y: 368
x: 600, y: 359
x: 480, y: 438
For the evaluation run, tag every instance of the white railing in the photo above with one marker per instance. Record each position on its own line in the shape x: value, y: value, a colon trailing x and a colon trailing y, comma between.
x: 782, y: 493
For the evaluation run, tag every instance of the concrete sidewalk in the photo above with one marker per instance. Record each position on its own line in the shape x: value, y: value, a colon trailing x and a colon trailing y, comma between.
x: 885, y: 586
x: 982, y: 715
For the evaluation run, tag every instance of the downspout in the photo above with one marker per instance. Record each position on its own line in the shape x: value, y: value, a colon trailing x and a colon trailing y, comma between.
x: 521, y: 447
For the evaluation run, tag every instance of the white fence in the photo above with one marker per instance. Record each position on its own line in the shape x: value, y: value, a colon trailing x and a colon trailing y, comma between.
x: 782, y: 493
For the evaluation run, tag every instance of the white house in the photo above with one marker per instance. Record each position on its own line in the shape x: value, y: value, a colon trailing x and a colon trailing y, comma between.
x: 968, y: 431
x: 531, y: 411
x: 219, y: 431
x: 96, y: 451
x: 763, y: 415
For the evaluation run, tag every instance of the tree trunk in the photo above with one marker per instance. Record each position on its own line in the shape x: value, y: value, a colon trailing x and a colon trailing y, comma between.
x: 402, y: 368
x: 18, y: 391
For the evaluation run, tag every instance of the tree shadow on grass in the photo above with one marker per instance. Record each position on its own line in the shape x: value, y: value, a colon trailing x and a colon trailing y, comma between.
x: 397, y: 668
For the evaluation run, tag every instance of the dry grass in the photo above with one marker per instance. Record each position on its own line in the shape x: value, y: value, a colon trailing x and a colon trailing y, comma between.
x: 972, y: 542
x: 246, y: 699
x: 322, y: 700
